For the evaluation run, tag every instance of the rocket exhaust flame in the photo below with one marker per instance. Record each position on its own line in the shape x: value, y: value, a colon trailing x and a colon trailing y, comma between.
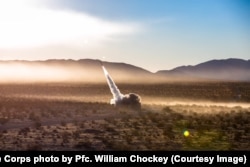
x: 131, y: 100
x: 117, y: 96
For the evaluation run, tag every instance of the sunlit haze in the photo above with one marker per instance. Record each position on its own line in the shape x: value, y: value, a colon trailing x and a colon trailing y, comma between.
x: 154, y: 35
x: 25, y: 26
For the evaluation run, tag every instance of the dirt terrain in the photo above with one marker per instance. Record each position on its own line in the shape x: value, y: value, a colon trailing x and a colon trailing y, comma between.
x: 58, y: 116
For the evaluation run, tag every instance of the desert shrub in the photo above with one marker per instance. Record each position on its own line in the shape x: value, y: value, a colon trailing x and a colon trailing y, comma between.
x: 63, y: 123
x: 34, y: 147
x: 168, y: 131
x: 167, y: 110
x: 161, y: 124
x: 237, y: 136
x: 76, y: 134
x: 3, y: 120
x: 37, y: 124
x: 83, y: 145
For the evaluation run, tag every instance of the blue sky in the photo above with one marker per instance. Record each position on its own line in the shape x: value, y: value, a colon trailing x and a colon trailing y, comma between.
x: 152, y: 34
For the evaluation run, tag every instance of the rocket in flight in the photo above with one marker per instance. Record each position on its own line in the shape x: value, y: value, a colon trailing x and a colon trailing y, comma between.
x: 131, y: 100
x: 117, y: 96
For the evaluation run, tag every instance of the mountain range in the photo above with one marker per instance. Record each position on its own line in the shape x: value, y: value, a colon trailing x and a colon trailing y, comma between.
x: 89, y: 70
x: 223, y: 70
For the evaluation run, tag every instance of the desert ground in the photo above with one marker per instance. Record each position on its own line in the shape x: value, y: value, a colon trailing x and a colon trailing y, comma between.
x: 78, y: 116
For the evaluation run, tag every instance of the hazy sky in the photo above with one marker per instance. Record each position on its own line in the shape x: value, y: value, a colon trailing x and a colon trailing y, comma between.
x: 152, y: 34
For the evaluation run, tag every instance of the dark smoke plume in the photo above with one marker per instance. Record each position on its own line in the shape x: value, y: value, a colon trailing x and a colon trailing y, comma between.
x: 131, y: 100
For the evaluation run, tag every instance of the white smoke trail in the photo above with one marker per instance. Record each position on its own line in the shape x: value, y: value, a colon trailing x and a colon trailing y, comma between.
x: 117, y: 96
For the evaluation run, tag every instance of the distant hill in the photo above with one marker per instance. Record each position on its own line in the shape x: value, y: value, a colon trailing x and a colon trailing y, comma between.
x: 89, y: 70
x: 83, y: 70
x: 224, y: 70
